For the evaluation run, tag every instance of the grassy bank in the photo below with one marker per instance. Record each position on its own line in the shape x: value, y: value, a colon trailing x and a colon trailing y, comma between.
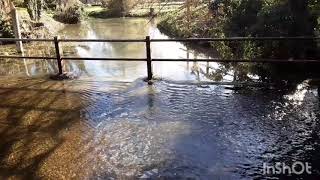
x: 138, y: 11
x: 177, y: 23
x: 47, y: 27
x: 237, y: 22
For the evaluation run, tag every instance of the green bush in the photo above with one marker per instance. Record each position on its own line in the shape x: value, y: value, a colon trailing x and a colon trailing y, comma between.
x: 118, y: 8
x: 19, y: 3
x: 70, y: 15
x: 101, y: 14
x: 50, y: 4
x: 268, y: 19
x: 5, y: 28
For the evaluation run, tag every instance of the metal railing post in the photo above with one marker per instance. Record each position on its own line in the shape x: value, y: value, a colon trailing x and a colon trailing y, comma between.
x: 56, y: 45
x: 149, y: 58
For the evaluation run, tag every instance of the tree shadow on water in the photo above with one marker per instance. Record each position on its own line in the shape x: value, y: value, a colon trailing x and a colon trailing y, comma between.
x: 33, y: 117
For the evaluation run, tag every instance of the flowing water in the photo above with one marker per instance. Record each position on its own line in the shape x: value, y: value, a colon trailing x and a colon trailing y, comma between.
x: 131, y: 29
x: 109, y: 124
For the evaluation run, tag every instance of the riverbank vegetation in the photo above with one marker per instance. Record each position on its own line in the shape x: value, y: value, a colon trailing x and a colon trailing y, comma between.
x: 5, y: 28
x: 251, y: 18
x: 196, y: 18
x: 70, y: 15
x: 138, y: 8
x: 5, y: 25
x: 74, y: 11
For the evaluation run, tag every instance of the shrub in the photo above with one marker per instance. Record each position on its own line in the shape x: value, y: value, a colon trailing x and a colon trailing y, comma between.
x: 5, y: 28
x: 19, y: 3
x: 119, y: 7
x: 101, y: 14
x: 268, y: 18
x: 50, y: 4
x: 70, y: 15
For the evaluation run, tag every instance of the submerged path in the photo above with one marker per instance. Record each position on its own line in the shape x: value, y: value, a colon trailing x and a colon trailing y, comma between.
x: 93, y: 128
x: 108, y: 123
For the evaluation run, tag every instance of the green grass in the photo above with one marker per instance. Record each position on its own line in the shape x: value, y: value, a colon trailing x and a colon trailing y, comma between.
x: 101, y: 13
x: 138, y: 11
x: 162, y: 8
x: 23, y: 12
x: 90, y: 9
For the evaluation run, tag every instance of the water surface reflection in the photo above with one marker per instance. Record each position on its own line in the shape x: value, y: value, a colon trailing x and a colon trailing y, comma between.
x: 102, y: 128
x: 134, y: 28
x: 109, y: 124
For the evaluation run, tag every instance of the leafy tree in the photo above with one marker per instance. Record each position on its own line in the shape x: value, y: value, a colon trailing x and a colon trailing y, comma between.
x: 120, y: 7
x: 19, y: 3
x: 269, y: 18
x: 5, y: 28
x: 51, y: 4
x: 35, y: 8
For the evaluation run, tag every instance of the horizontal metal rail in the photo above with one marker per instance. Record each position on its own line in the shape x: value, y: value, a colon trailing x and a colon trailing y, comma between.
x: 102, y: 40
x: 241, y: 60
x: 172, y: 60
x: 104, y: 59
x: 72, y: 40
x: 302, y: 38
x: 149, y: 58
x: 26, y: 57
x: 25, y: 40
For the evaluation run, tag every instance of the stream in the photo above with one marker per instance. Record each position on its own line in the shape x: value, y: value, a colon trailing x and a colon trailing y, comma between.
x: 109, y: 124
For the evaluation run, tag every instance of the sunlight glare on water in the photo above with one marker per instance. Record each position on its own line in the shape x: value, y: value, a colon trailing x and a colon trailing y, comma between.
x: 132, y: 28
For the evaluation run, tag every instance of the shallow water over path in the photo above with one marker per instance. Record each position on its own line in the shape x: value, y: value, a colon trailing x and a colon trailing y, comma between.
x: 87, y: 129
x: 111, y: 124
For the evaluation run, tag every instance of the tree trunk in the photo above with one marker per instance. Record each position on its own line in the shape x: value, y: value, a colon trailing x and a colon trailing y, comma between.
x: 35, y: 8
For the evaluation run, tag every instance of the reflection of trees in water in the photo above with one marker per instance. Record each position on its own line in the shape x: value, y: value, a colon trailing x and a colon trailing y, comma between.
x: 29, y: 66
x: 217, y: 71
x: 75, y: 30
x: 241, y: 72
x: 105, y: 29
x: 122, y: 29
x: 138, y: 28
x: 108, y: 29
x: 238, y: 72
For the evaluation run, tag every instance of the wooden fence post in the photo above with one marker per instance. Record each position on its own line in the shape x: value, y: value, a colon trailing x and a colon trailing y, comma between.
x: 56, y: 45
x: 149, y: 58
x: 16, y: 28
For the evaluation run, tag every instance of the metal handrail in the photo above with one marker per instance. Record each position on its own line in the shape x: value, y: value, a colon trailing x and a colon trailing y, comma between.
x: 103, y: 59
x: 241, y: 60
x: 149, y: 59
x: 300, y: 38
x: 171, y: 40
x: 25, y: 40
x: 102, y: 40
x: 26, y: 57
